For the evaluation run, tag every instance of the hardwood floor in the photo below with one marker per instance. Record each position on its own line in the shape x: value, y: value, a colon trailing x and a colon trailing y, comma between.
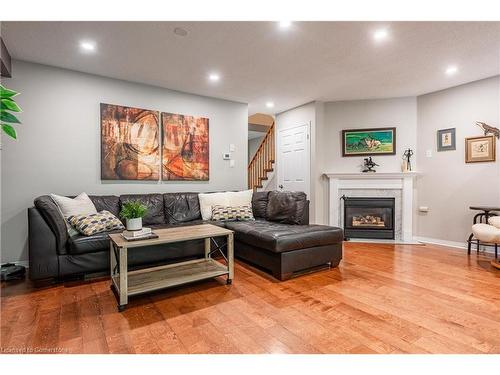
x: 382, y: 299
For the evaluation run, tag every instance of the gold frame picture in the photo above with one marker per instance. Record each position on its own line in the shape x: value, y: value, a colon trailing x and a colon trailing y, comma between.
x: 480, y: 149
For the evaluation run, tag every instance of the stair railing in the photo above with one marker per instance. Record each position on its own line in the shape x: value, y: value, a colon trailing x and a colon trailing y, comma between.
x: 263, y: 160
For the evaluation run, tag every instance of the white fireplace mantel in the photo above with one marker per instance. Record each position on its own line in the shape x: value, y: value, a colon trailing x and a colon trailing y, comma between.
x: 378, y: 181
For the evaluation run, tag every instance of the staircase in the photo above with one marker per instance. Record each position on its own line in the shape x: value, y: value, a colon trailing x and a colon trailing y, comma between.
x: 263, y: 161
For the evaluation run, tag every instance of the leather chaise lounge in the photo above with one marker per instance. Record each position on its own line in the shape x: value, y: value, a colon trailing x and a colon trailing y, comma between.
x: 284, y: 247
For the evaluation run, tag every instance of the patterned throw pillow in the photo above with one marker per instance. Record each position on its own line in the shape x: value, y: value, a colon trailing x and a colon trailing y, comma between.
x: 88, y: 225
x: 228, y: 213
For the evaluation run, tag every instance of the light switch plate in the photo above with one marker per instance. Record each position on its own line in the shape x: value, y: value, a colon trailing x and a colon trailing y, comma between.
x: 428, y: 153
x: 231, y: 163
x: 232, y: 147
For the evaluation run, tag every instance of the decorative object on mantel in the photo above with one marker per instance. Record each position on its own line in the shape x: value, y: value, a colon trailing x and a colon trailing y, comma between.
x: 373, y: 141
x: 480, y: 149
x: 369, y: 165
x: 446, y: 140
x: 407, y: 160
x: 488, y: 129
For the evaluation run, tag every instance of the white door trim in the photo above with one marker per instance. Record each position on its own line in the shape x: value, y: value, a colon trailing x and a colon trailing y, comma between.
x: 279, y: 171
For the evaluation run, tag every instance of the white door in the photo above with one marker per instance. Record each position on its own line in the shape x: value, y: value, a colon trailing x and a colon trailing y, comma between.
x: 294, y: 159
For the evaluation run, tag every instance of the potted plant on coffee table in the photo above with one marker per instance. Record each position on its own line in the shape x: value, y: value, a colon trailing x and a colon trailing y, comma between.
x: 133, y: 212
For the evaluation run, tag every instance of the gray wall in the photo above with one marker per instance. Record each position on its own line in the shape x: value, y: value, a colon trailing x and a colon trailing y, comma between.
x: 448, y: 186
x: 59, y: 142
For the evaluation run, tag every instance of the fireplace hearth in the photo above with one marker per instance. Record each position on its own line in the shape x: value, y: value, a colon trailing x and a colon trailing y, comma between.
x: 369, y: 217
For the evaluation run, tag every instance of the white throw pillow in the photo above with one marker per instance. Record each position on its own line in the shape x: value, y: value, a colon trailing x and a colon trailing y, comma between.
x: 208, y: 200
x: 80, y: 205
x: 495, y: 221
x: 240, y: 198
x: 230, y: 198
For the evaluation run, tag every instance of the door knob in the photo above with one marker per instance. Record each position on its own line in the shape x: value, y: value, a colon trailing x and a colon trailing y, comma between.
x: 281, y: 187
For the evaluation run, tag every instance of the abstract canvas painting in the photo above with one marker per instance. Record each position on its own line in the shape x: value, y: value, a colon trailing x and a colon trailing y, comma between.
x: 374, y: 141
x: 129, y: 143
x: 185, y: 147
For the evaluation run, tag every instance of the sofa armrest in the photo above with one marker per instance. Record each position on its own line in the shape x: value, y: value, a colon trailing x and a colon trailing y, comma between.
x: 305, y: 216
x: 42, y: 247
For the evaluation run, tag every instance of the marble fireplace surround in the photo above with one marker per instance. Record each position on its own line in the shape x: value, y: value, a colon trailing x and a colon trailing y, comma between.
x: 397, y: 185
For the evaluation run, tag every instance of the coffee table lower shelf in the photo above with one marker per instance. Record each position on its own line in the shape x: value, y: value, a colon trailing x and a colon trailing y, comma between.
x: 150, y: 279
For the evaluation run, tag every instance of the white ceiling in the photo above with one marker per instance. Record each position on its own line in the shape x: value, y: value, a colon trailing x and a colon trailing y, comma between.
x: 259, y: 62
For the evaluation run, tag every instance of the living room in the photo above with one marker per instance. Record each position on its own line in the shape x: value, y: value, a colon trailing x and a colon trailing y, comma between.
x: 333, y: 182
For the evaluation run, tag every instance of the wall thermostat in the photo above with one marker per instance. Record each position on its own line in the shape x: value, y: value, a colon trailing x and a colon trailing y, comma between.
x: 226, y: 156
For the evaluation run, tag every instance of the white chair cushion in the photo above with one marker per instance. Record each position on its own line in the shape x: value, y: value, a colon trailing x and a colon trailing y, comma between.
x: 486, y: 233
x: 495, y: 221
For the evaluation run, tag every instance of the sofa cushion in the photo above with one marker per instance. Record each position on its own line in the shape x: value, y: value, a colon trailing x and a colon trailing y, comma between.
x: 81, y: 244
x: 259, y: 203
x: 109, y: 203
x: 181, y: 207
x: 279, y: 237
x: 286, y: 207
x: 51, y: 214
x: 154, y: 202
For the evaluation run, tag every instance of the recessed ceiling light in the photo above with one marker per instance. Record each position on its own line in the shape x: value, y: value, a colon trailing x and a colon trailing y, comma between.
x: 285, y: 24
x: 380, y: 34
x: 451, y: 70
x: 269, y: 104
x: 214, y: 77
x: 180, y: 31
x: 87, y: 46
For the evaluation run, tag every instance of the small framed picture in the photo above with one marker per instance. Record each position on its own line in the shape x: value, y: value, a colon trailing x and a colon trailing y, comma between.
x: 446, y: 139
x: 480, y: 149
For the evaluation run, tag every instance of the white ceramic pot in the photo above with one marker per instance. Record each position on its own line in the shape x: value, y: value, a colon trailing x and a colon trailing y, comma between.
x: 134, y: 224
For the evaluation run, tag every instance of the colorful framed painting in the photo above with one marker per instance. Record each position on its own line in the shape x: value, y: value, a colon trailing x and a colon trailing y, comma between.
x: 446, y: 140
x: 129, y: 143
x: 374, y: 141
x: 185, y: 147
x: 480, y: 149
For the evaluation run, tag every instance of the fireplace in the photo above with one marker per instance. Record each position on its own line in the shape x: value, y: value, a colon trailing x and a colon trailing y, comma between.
x: 369, y: 217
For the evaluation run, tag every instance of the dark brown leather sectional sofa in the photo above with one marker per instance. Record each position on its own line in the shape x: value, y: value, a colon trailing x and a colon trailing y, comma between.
x: 280, y: 240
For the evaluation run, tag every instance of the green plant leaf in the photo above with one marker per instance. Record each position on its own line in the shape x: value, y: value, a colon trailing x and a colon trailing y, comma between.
x: 10, y: 105
x: 8, y: 117
x: 133, y: 209
x: 9, y: 130
x: 6, y: 93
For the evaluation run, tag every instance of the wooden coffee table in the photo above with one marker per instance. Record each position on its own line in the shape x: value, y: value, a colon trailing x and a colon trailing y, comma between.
x: 129, y: 283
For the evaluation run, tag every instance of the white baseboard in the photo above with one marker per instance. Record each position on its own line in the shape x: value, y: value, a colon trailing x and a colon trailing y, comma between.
x: 458, y: 245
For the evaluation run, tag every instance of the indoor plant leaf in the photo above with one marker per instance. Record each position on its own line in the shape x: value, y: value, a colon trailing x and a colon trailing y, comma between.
x: 8, y: 117
x: 9, y: 130
x: 10, y: 105
x: 6, y: 93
